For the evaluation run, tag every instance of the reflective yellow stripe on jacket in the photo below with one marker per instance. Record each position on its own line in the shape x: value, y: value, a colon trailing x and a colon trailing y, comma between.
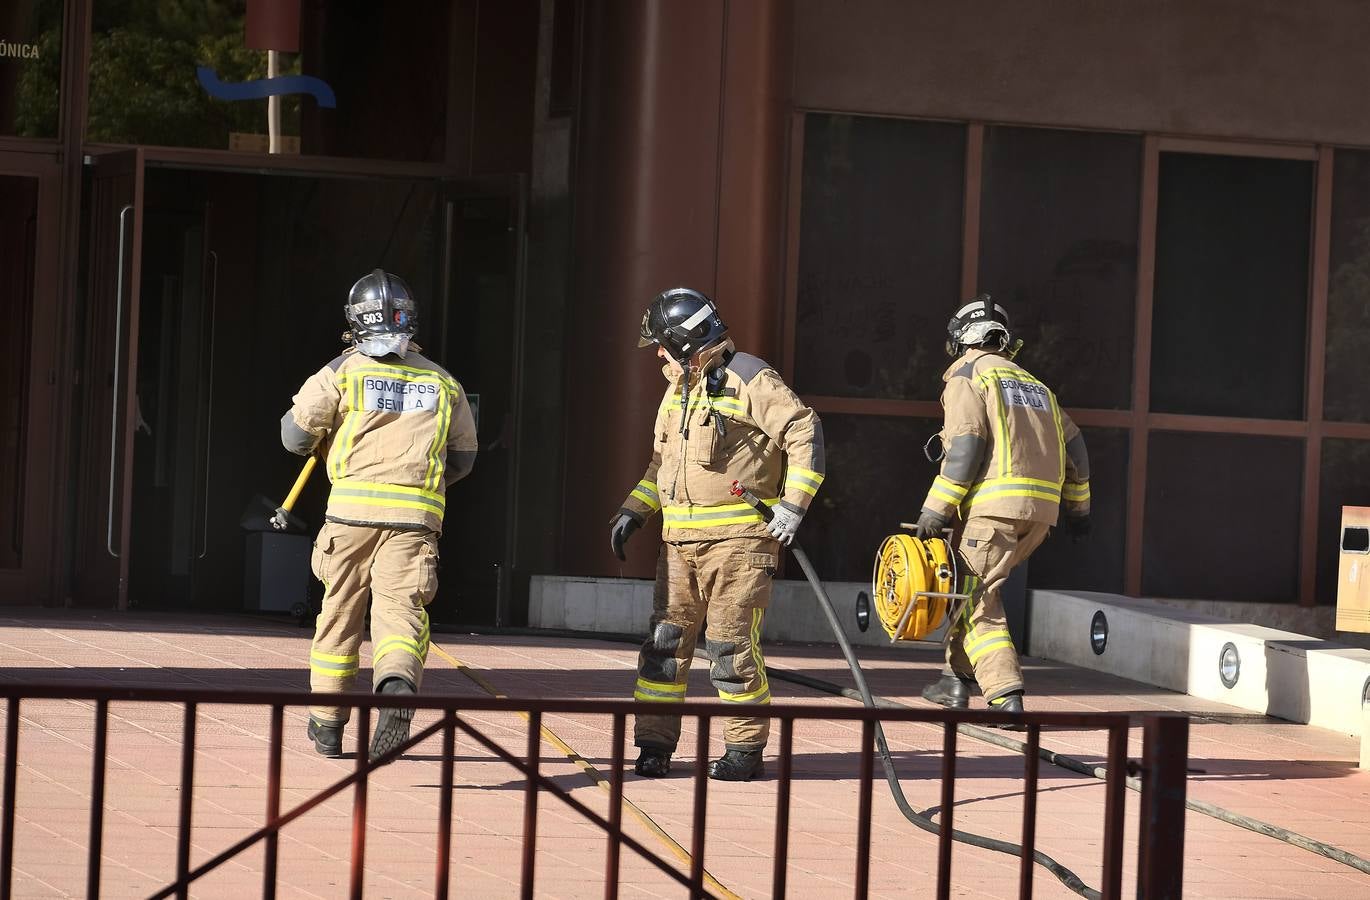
x: 392, y: 370
x: 342, y: 447
x: 433, y: 479
x: 730, y: 405
x: 1006, y: 485
x: 648, y: 493
x: 394, y: 496
x: 351, y: 383
x: 803, y: 479
x: 711, y: 516
x: 996, y: 488
x: 1075, y: 493
x: 950, y: 491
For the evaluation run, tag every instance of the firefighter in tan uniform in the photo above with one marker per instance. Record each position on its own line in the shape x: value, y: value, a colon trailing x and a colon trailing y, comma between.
x: 1013, y: 460
x: 396, y: 430
x: 725, y: 416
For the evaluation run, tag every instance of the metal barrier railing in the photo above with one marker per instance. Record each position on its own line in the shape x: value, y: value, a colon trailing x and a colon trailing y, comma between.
x: 1163, y: 771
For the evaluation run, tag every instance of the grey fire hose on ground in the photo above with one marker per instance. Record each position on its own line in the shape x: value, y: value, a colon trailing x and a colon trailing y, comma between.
x: 1061, y: 760
x: 1066, y: 876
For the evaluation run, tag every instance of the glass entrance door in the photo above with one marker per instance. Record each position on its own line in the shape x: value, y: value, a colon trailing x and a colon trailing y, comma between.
x: 28, y: 386
x: 243, y: 280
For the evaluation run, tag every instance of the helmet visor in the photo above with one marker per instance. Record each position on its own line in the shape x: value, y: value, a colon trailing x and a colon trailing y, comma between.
x: 644, y: 333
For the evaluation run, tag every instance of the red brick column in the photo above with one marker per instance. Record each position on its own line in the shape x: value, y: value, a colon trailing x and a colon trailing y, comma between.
x: 680, y: 163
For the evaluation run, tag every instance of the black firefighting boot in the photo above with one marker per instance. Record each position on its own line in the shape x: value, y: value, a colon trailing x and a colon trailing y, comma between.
x: 951, y: 691
x: 392, y: 725
x: 1011, y: 702
x: 327, y: 737
x: 736, y: 765
x: 653, y: 762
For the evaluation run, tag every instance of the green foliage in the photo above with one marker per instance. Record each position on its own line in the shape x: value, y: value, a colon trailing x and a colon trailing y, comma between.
x: 36, y: 110
x: 143, y: 84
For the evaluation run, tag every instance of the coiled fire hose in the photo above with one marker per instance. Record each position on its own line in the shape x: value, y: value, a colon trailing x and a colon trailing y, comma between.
x: 1066, y: 876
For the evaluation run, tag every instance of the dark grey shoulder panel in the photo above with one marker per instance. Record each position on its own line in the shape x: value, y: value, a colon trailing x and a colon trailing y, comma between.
x: 747, y: 367
x: 296, y: 439
x: 336, y: 364
x: 964, y: 456
x: 459, y: 464
x: 965, y: 371
x: 1079, y: 456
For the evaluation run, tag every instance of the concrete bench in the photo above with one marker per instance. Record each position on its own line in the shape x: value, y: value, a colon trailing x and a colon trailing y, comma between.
x: 1277, y: 673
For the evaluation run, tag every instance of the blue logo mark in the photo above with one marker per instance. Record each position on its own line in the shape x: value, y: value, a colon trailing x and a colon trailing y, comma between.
x: 262, y: 88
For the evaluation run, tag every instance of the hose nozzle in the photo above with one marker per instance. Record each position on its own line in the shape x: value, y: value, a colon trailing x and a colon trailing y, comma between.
x: 740, y: 490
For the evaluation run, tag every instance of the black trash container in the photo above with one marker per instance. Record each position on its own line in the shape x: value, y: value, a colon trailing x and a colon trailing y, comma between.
x: 276, y: 575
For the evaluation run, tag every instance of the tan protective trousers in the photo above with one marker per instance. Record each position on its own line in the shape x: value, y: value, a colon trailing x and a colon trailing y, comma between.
x: 978, y: 642
x: 397, y: 571
x: 726, y: 583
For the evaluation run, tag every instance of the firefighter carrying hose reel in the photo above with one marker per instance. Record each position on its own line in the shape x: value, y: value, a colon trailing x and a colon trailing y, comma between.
x: 1012, y: 461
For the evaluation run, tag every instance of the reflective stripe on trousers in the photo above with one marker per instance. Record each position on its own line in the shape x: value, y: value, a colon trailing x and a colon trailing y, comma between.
x: 396, y: 571
x: 728, y: 583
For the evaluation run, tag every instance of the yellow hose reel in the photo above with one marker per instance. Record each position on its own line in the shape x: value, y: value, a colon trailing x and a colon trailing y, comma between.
x: 914, y: 581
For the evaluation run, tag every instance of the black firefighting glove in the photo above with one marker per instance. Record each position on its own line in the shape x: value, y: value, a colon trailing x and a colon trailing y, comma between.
x: 619, y: 532
x: 930, y: 524
x: 1077, y: 527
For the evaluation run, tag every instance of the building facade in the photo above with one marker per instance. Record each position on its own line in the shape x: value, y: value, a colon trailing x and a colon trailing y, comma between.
x: 1171, y: 200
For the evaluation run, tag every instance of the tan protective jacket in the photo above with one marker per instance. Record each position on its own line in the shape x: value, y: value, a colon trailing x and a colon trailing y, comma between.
x: 743, y: 424
x: 397, y: 432
x: 1011, y: 451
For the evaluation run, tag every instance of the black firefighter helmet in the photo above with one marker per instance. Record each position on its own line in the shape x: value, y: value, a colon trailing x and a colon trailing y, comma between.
x: 980, y: 321
x: 380, y: 314
x: 682, y: 320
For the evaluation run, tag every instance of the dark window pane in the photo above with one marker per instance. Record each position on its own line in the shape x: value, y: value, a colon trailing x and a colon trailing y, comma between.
x: 385, y: 63
x: 1345, y: 481
x: 1096, y: 563
x: 879, y: 255
x: 18, y: 243
x: 1347, y: 388
x: 30, y: 67
x: 1222, y: 517
x: 1231, y: 296
x: 877, y: 478
x: 1058, y: 246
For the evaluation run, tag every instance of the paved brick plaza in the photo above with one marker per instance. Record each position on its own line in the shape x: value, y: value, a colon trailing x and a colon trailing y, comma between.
x: 1298, y: 777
